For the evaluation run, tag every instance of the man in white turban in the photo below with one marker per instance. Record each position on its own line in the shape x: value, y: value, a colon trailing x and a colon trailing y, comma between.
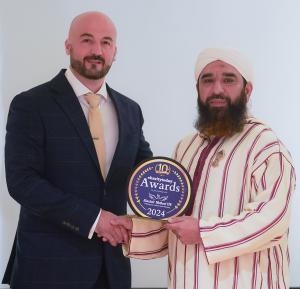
x: 243, y: 179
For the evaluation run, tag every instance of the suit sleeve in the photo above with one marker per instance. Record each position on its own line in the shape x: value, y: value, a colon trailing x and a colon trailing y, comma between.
x: 144, y: 150
x: 25, y: 171
x: 265, y: 219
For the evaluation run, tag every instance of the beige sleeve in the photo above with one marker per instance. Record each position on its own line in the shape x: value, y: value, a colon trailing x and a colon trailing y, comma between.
x: 264, y: 221
x: 148, y: 240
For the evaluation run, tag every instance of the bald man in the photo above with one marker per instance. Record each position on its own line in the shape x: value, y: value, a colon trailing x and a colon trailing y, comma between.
x: 69, y: 189
x: 243, y: 179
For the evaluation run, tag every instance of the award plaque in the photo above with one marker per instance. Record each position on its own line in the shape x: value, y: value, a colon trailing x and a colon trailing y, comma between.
x: 159, y: 188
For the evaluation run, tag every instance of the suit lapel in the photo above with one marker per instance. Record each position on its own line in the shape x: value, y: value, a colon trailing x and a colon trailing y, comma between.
x: 67, y: 100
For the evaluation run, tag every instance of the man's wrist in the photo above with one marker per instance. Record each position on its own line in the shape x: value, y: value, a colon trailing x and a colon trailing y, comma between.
x: 92, y: 231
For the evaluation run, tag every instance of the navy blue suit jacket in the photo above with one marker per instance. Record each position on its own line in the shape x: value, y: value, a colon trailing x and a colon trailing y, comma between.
x: 53, y: 172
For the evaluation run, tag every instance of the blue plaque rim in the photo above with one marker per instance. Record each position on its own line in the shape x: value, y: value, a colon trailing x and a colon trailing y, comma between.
x: 190, y: 198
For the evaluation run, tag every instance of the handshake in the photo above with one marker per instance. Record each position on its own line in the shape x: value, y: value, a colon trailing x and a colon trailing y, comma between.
x: 113, y: 229
x: 117, y: 229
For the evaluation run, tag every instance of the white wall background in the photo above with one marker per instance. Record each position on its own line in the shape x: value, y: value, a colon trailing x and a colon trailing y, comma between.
x: 158, y: 44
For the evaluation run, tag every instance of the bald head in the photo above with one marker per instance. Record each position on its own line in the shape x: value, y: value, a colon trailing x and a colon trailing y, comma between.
x: 93, y: 19
x: 91, y: 45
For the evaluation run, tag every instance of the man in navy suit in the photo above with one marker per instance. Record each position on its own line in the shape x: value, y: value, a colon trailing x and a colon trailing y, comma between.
x: 53, y: 172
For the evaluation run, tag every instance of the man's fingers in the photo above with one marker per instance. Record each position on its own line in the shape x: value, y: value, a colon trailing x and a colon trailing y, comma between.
x: 177, y: 232
x: 122, y: 226
x: 109, y: 238
x: 114, y: 229
x: 118, y: 221
x: 124, y: 234
x: 173, y: 226
x: 122, y: 221
x: 117, y: 234
x: 177, y: 219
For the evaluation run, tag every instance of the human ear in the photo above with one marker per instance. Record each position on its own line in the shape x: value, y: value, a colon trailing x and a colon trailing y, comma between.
x: 115, y: 54
x: 68, y: 47
x: 248, y: 90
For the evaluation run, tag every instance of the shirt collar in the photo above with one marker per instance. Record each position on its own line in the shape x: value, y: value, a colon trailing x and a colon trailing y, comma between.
x: 80, y: 89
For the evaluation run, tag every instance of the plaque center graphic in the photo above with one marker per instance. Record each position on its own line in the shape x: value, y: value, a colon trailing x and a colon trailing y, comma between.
x: 159, y: 188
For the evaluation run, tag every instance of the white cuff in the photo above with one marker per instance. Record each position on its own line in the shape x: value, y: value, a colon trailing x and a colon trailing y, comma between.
x: 94, y: 226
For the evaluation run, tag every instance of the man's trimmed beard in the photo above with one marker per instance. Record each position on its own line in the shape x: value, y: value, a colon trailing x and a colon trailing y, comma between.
x: 222, y: 121
x: 92, y: 73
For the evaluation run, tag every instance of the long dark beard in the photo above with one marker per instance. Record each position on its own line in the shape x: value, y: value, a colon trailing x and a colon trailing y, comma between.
x: 222, y: 121
x: 79, y: 66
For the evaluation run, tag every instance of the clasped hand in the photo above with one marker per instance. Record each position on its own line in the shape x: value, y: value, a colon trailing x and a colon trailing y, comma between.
x: 113, y: 229
x: 117, y: 229
x: 186, y: 229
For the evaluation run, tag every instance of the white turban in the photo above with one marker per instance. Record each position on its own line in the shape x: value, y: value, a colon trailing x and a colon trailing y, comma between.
x: 227, y: 55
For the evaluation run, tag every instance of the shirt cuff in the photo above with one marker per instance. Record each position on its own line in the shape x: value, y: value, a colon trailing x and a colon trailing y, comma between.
x: 94, y: 226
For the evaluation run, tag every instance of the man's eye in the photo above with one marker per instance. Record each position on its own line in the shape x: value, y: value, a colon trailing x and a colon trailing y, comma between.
x: 86, y: 40
x: 106, y: 43
x: 207, y: 80
x: 228, y: 80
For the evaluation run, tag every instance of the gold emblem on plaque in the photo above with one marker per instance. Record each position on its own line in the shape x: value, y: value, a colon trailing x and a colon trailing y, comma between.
x: 162, y: 169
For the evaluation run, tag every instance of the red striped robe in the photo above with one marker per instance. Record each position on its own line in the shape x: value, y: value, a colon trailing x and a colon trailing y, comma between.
x: 243, y: 207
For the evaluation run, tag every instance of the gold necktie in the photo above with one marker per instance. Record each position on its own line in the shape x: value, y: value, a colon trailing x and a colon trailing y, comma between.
x: 96, y: 128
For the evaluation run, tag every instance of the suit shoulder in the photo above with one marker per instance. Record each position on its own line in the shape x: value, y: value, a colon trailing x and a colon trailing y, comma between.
x: 32, y: 94
x: 122, y: 97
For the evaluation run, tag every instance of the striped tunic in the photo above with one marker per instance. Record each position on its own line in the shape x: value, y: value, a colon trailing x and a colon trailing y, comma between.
x: 243, y: 191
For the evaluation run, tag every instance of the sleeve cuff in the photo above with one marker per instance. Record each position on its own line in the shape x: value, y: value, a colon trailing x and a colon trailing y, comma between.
x: 94, y: 226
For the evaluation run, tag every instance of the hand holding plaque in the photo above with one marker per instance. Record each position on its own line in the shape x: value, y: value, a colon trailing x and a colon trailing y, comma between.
x: 160, y: 188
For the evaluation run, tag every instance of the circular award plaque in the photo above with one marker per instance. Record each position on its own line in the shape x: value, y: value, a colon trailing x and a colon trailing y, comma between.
x: 159, y: 188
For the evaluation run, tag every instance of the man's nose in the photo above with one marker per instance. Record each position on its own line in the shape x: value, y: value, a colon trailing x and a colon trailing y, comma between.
x: 218, y: 88
x: 97, y: 49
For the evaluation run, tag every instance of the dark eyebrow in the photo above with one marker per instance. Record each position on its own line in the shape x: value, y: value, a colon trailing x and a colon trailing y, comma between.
x: 86, y: 35
x: 91, y: 36
x: 107, y: 38
x: 229, y: 74
x: 206, y: 75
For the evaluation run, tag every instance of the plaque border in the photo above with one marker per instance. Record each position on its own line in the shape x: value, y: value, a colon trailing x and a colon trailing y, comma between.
x: 189, y: 200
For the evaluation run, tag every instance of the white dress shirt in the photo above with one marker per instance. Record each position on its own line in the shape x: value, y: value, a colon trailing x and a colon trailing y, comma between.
x: 109, y: 118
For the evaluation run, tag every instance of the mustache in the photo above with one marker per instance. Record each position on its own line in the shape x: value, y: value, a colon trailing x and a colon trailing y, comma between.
x: 95, y: 57
x: 216, y: 96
